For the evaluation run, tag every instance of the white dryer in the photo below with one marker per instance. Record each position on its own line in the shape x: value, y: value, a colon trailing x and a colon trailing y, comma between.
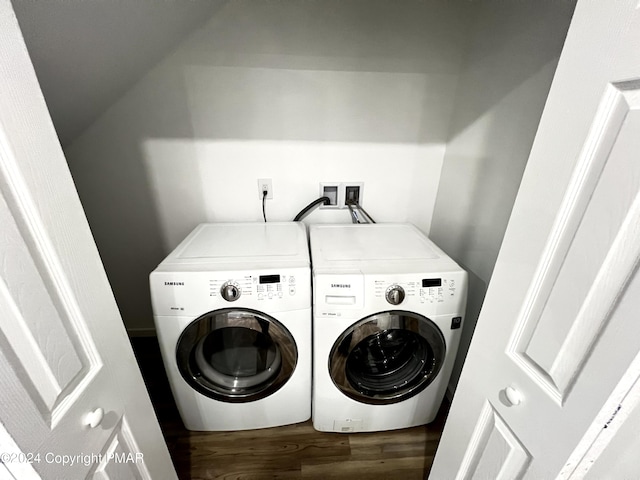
x: 232, y: 309
x: 388, y: 307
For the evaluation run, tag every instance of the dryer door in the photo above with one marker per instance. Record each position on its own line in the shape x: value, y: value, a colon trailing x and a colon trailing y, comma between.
x: 236, y: 355
x: 387, y: 357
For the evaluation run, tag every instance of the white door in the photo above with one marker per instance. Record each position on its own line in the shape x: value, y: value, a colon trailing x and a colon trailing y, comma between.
x: 73, y: 404
x: 550, y: 385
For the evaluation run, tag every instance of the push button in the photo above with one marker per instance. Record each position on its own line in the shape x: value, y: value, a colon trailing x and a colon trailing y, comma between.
x: 456, y: 322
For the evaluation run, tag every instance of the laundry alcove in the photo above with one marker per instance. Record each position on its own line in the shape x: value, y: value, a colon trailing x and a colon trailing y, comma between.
x: 169, y: 112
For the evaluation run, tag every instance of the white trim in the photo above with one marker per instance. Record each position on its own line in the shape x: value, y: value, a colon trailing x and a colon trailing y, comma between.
x: 624, y: 399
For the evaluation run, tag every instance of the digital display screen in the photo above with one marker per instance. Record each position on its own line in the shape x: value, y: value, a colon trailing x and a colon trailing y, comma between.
x: 269, y: 278
x: 431, y: 282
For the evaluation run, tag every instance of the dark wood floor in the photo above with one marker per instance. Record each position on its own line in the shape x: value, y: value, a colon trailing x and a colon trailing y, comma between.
x: 295, y: 451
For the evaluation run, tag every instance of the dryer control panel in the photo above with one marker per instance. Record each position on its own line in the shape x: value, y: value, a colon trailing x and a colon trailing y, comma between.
x: 195, y: 293
x: 272, y: 286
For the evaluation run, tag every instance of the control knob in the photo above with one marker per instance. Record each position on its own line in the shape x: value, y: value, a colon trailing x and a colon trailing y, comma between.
x: 230, y: 292
x: 394, y: 294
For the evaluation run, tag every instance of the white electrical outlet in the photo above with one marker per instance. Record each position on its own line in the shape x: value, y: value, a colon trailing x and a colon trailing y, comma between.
x: 265, y: 184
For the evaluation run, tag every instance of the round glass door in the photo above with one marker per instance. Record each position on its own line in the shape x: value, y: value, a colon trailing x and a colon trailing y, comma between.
x: 236, y: 355
x: 387, y: 357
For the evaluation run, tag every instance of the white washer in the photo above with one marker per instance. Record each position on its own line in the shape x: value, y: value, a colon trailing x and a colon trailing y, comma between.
x: 388, y: 307
x: 232, y: 308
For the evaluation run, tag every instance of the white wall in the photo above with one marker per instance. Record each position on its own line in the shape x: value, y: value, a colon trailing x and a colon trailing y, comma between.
x: 512, y: 55
x: 88, y: 53
x: 299, y: 92
x: 217, y: 181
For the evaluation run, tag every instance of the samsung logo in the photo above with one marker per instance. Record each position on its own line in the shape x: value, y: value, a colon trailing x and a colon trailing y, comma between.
x: 174, y: 283
x: 340, y: 285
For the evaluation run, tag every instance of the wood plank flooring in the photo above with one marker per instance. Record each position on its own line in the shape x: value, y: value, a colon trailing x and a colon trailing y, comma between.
x: 288, y: 452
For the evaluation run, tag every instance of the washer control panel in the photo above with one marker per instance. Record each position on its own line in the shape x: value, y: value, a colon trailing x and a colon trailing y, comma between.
x: 351, y: 295
x: 432, y: 290
x: 394, y: 294
x: 438, y: 289
x: 425, y: 290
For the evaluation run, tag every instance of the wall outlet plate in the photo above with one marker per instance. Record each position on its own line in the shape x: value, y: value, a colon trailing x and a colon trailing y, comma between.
x: 331, y: 190
x: 353, y: 192
x: 265, y: 184
x: 337, y: 192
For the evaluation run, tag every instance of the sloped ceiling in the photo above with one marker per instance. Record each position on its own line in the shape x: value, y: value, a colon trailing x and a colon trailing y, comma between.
x: 87, y: 53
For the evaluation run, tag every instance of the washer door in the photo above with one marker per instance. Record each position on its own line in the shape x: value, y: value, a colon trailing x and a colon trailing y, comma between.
x: 387, y: 357
x: 236, y: 355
